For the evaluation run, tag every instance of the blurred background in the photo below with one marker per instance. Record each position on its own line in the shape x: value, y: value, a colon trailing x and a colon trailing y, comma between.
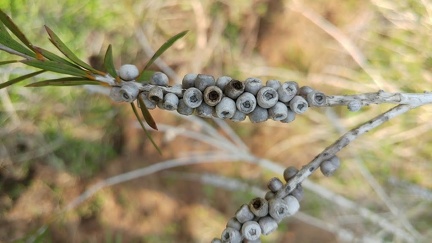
x: 57, y: 142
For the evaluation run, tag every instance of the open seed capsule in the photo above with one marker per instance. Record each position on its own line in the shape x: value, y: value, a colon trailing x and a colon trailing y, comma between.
x: 189, y: 80
x: 287, y: 91
x: 253, y: 85
x: 298, y: 104
x: 226, y: 108
x: 202, y: 81
x: 278, y: 209
x: 234, y: 89
x: 212, y: 95
x: 246, y: 102
x: 170, y: 102
x: 251, y: 230
x: 129, y: 91
x: 316, y: 98
x: 267, y: 97
x: 259, y: 207
x: 160, y: 79
x: 192, y: 97
x: 278, y: 112
x: 231, y: 235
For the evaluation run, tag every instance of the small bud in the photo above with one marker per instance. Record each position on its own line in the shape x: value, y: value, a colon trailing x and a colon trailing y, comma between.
x: 234, y: 89
x: 354, y: 105
x: 253, y: 85
x: 238, y: 116
x: 267, y: 97
x: 128, y: 72
x: 244, y: 214
x: 221, y: 82
x: 234, y: 223
x: 246, y: 102
x: 316, y: 98
x: 259, y: 114
x: 129, y: 92
x: 289, y: 173
x: 170, y: 102
x: 159, y: 78
x: 192, y: 97
x: 212, y: 95
x: 298, y: 104
x: 329, y: 167
x: 183, y: 109
x: 156, y: 94
x: 189, y: 80
x: 259, y: 207
x: 231, y: 235
x: 278, y: 112
x: 251, y: 230
x: 204, y: 110
x: 268, y: 225
x: 275, y: 84
x: 287, y: 91
x: 226, y: 108
x: 275, y: 184
x: 202, y: 81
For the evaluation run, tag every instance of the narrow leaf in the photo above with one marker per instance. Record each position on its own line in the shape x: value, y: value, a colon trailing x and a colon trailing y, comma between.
x: 7, y: 21
x: 164, y: 47
x: 7, y: 62
x: 21, y: 78
x: 3, y: 30
x: 145, y: 76
x: 68, y: 81
x: 53, y: 57
x: 56, y: 67
x: 68, y: 53
x: 147, y: 116
x: 8, y: 41
x: 109, y: 62
x: 143, y: 127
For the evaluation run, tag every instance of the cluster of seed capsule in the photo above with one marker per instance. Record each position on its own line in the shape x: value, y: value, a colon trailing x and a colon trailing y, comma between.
x: 262, y: 215
x: 228, y: 98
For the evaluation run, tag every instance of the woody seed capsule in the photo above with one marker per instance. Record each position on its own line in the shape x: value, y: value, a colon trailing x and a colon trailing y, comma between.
x: 259, y: 207
x: 275, y: 184
x: 259, y: 114
x: 202, y: 81
x: 156, y: 94
x: 275, y: 84
x: 267, y: 224
x: 231, y: 235
x: 287, y: 91
x: 216, y: 240
x: 226, y: 108
x: 267, y: 97
x: 115, y: 94
x: 244, y: 214
x: 251, y: 230
x: 269, y: 195
x: 159, y: 78
x: 234, y: 89
x: 354, y: 105
x: 298, y: 104
x: 293, y: 205
x: 128, y: 72
x: 290, y: 116
x: 298, y: 193
x: 328, y: 167
x: 289, y: 173
x: 305, y: 90
x: 129, y: 92
x: 183, y: 109
x: 246, y: 102
x: 238, y: 116
x: 189, y: 80
x: 221, y: 82
x: 204, y: 110
x: 253, y: 85
x: 316, y: 98
x: 147, y: 102
x: 192, y: 97
x: 170, y: 102
x: 278, y: 112
x: 234, y: 223
x: 212, y: 95
x: 278, y: 209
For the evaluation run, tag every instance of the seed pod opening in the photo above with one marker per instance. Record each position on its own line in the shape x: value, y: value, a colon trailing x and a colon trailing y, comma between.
x: 273, y: 83
x: 183, y: 109
x: 226, y: 108
x: 221, y: 82
x: 156, y: 94
x: 251, y: 230
x: 189, y: 80
x: 159, y: 78
x: 278, y: 112
x: 278, y: 209
x: 329, y: 167
x: 128, y: 72
x: 231, y: 235
x: 298, y: 104
x: 259, y: 114
x: 212, y: 95
x: 192, y: 97
x: 267, y: 97
x: 244, y: 214
x: 275, y: 184
x: 253, y: 85
x: 170, y: 102
x: 234, y: 89
x: 287, y: 91
x: 202, y: 81
x: 246, y: 102
x: 129, y: 92
x: 316, y: 98
x: 259, y: 207
x: 268, y: 225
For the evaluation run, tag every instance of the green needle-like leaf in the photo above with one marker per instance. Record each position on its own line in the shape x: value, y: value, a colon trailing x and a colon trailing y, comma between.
x: 143, y: 127
x: 56, y: 67
x: 68, y: 81
x: 145, y: 76
x: 3, y: 30
x: 164, y: 47
x: 7, y: 62
x: 8, y: 41
x: 7, y: 21
x: 53, y: 57
x: 109, y: 62
x: 68, y: 53
x: 147, y: 116
x: 19, y: 79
